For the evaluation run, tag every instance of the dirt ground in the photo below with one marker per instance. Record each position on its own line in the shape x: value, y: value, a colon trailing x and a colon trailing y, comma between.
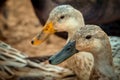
x: 22, y: 26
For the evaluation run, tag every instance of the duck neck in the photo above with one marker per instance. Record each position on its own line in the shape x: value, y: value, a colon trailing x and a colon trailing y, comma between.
x: 104, y: 65
x: 72, y: 32
x: 75, y: 25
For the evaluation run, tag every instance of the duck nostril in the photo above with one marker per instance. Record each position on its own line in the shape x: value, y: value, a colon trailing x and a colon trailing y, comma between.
x: 68, y: 49
x: 32, y: 42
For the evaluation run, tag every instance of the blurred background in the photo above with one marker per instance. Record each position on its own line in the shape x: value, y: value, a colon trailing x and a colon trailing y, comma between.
x: 21, y: 20
x: 19, y: 24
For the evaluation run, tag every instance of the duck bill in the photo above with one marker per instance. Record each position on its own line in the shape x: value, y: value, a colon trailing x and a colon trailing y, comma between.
x: 64, y: 54
x: 47, y: 30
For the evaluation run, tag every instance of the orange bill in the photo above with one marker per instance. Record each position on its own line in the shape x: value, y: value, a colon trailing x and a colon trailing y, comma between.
x: 47, y: 30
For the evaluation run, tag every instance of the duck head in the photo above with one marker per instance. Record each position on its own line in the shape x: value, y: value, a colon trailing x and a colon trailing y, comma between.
x: 61, y: 18
x: 90, y: 39
x: 93, y: 40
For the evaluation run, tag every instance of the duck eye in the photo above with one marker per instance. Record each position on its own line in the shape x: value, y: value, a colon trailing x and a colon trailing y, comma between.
x: 62, y: 17
x: 88, y: 36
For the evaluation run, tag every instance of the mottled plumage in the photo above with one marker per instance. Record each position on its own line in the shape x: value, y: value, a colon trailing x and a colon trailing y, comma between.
x: 98, y: 45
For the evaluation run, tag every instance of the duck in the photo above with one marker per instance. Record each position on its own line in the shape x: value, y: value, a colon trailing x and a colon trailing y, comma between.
x: 106, y: 13
x: 15, y: 65
x: 67, y: 18
x: 88, y: 53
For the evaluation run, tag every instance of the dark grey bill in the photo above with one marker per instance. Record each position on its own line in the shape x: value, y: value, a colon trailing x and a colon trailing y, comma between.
x: 68, y: 50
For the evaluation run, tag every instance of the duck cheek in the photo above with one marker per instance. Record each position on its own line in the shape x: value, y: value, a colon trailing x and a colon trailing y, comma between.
x: 84, y: 47
x: 60, y: 27
x: 57, y: 27
x: 97, y: 46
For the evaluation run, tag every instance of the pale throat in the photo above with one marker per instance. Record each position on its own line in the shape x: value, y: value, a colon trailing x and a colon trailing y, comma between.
x: 73, y: 28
